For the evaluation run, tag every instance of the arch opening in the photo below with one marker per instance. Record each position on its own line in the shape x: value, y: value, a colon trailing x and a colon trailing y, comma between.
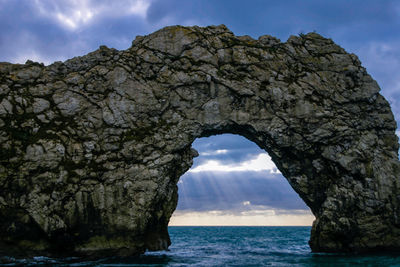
x: 233, y: 182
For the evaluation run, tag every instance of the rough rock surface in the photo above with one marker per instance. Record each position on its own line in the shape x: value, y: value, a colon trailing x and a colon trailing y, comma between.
x: 92, y: 148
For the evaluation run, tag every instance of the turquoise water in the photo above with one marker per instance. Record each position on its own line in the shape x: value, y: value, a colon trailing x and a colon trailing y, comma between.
x: 229, y: 246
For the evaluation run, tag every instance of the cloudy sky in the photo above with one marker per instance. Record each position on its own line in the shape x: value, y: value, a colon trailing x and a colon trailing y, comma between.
x: 233, y: 181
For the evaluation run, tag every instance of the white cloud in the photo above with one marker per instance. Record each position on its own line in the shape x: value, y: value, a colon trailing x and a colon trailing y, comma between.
x: 262, y: 162
x: 213, y: 153
x: 139, y: 8
x: 73, y: 14
x: 70, y: 14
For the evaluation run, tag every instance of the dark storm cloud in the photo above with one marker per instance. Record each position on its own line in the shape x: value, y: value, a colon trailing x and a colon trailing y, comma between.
x: 207, y: 191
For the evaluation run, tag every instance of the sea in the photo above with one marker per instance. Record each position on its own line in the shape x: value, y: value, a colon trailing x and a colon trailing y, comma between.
x: 227, y: 246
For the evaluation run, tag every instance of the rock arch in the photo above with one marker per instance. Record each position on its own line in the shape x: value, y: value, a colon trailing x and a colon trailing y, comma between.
x: 92, y: 148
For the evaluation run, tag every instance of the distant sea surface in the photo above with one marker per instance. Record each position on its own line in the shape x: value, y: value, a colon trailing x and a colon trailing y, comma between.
x: 228, y: 246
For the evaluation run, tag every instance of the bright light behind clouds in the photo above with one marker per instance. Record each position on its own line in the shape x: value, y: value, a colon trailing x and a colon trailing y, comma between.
x: 262, y: 162
x: 73, y: 14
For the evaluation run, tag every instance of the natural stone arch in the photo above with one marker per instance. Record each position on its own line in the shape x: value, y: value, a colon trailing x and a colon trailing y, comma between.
x: 92, y: 148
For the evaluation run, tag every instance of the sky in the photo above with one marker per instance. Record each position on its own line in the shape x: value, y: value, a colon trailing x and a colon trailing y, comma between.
x: 232, y: 181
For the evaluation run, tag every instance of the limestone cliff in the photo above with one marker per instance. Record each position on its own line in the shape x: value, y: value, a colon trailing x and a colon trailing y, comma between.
x: 92, y: 148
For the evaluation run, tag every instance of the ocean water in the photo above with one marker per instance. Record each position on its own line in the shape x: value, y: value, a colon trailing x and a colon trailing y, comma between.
x: 228, y: 246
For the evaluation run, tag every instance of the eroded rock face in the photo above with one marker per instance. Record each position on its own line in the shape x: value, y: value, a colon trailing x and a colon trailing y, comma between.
x: 92, y: 148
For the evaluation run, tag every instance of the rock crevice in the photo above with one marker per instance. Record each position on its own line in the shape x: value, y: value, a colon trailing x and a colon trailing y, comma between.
x: 92, y: 148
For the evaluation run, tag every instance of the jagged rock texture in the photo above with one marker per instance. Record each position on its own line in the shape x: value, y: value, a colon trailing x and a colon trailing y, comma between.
x: 92, y: 148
